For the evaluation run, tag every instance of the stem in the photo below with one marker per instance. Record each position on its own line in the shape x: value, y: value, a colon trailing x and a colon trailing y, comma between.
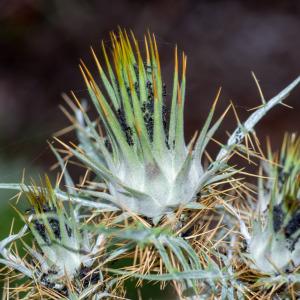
x: 241, y: 131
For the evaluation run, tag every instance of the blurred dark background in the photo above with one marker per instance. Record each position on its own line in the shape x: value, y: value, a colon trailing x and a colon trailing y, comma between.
x: 41, y: 43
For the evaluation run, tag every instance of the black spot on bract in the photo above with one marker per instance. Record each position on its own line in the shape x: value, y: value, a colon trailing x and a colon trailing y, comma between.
x: 188, y: 232
x: 126, y: 129
x: 108, y: 145
x: 54, y: 224
x: 137, y: 89
x: 294, y: 242
x: 277, y: 217
x: 293, y: 225
x: 45, y: 281
x: 148, y: 110
x: 88, y: 276
x: 165, y: 124
x: 40, y: 227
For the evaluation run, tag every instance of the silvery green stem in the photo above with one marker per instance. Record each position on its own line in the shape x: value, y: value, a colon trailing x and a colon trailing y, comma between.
x: 241, y: 131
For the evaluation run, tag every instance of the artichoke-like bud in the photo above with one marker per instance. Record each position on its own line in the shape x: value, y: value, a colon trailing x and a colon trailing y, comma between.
x: 143, y: 157
x: 274, y: 240
x: 63, y: 254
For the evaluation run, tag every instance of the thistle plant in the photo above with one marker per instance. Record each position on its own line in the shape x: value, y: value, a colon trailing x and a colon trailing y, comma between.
x: 273, y: 244
x: 63, y: 256
x: 151, y: 198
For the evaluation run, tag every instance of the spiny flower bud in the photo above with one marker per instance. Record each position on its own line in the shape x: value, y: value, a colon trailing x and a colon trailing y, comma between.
x: 143, y: 157
x: 274, y: 240
x: 64, y: 253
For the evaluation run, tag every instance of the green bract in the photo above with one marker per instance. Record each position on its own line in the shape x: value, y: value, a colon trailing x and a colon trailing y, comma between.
x: 273, y: 244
